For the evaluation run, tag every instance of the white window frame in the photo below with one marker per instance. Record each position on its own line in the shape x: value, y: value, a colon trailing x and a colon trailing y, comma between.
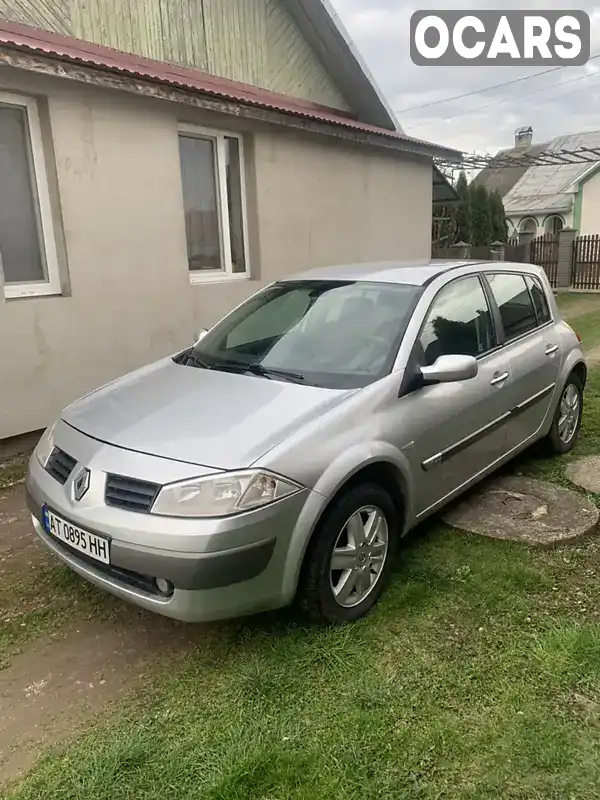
x: 39, y: 181
x: 218, y: 137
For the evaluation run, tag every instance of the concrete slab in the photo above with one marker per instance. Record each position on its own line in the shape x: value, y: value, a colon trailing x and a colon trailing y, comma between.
x: 525, y: 510
x: 585, y: 472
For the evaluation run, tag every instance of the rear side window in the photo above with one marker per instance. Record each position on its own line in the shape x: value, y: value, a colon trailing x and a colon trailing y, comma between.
x: 514, y: 301
x: 540, y: 301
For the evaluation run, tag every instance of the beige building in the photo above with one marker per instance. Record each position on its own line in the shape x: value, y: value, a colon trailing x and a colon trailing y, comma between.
x: 158, y: 167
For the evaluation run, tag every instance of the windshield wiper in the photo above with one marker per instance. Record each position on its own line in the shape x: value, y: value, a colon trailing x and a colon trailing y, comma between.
x: 194, y: 361
x: 219, y: 366
x: 272, y: 372
x: 253, y: 368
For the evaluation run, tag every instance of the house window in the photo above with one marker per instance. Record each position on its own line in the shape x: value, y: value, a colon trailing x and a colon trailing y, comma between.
x: 27, y: 246
x: 554, y: 224
x: 212, y: 176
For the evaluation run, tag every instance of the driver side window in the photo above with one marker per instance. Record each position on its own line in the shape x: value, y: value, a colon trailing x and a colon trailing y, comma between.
x: 459, y: 322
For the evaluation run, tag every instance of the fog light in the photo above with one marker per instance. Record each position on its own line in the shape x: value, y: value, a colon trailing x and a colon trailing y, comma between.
x: 164, y: 586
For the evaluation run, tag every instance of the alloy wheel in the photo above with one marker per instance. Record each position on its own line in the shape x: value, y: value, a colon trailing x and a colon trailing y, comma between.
x: 570, y: 408
x: 359, y: 556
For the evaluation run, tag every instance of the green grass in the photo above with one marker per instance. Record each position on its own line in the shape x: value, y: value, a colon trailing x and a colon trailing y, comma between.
x: 477, y: 676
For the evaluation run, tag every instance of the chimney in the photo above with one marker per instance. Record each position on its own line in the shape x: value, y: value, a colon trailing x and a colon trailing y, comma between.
x: 523, y: 136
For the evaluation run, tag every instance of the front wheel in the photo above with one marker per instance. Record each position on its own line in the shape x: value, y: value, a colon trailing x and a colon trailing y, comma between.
x: 349, y: 558
x: 566, y: 424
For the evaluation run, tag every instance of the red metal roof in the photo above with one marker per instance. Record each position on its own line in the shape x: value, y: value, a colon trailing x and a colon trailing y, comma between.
x: 67, y: 48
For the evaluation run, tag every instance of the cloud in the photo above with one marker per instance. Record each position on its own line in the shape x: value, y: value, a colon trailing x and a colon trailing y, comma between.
x: 553, y: 104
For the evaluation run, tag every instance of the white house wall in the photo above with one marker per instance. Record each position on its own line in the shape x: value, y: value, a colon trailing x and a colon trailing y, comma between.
x: 590, y: 206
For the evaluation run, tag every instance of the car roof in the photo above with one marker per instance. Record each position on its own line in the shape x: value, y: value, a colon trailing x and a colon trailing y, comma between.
x: 415, y: 273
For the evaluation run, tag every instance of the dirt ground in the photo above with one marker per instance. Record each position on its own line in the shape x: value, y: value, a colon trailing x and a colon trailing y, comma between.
x: 59, y: 680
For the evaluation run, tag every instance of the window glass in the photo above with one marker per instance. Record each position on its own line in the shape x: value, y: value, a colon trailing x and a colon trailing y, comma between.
x: 540, y: 301
x: 337, y: 334
x: 200, y: 199
x: 459, y: 322
x: 270, y: 321
x: 234, y: 201
x: 21, y: 255
x: 514, y: 301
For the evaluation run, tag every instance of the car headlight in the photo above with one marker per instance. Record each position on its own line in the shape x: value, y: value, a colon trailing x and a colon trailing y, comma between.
x: 223, y: 494
x: 45, y: 445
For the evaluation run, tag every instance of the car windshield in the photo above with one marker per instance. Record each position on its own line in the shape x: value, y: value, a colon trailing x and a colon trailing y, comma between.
x: 333, y: 334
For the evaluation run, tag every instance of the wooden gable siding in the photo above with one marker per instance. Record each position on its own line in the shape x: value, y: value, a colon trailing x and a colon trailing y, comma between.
x: 253, y: 41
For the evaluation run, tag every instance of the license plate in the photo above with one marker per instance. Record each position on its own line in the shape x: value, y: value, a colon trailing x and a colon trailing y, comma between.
x: 94, y: 546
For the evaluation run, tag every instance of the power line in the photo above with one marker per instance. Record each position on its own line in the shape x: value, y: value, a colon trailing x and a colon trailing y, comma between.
x: 510, y: 99
x: 488, y: 88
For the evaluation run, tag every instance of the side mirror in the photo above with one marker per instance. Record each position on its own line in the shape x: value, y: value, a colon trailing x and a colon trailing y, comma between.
x: 450, y: 369
x: 200, y: 335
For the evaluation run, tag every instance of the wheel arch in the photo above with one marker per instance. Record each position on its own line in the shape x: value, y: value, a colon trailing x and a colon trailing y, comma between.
x: 382, y: 471
x: 580, y: 369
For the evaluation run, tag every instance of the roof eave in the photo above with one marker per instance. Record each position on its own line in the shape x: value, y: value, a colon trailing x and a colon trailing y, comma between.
x: 323, y: 29
x: 538, y: 211
x: 60, y: 65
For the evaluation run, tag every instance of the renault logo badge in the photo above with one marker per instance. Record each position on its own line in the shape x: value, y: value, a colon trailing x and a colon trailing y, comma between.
x: 81, y: 484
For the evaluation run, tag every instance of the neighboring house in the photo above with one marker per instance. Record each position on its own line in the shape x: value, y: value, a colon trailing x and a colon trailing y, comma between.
x: 142, y: 198
x: 546, y: 199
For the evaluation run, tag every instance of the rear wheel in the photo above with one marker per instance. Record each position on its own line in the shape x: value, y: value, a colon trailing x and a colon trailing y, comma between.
x: 349, y: 559
x: 566, y: 424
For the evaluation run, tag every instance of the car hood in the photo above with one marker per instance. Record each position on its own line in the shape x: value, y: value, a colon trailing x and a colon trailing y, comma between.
x: 213, y: 419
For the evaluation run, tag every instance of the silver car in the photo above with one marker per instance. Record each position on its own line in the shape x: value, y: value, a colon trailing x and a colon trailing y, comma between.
x: 284, y: 455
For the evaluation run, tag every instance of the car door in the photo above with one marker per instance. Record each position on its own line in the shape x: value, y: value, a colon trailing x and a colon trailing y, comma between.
x: 459, y: 428
x: 533, y: 348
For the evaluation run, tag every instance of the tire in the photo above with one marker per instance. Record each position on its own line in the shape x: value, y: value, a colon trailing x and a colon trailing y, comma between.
x: 556, y: 441
x: 338, y: 530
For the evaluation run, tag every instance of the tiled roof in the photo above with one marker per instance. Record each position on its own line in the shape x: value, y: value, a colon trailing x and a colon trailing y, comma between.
x: 540, y: 189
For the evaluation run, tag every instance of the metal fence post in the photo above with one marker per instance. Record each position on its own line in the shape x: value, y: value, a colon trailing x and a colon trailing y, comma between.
x: 525, y: 239
x: 461, y: 250
x: 566, y: 242
x: 497, y: 251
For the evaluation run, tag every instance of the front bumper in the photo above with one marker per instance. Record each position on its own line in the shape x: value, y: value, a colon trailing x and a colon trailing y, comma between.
x: 219, y: 568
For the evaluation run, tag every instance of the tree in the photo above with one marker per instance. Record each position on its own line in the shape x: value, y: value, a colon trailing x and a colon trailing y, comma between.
x: 499, y: 225
x: 463, y: 210
x: 481, y: 217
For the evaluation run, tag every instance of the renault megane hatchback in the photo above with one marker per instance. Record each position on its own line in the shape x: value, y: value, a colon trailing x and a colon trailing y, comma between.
x: 284, y: 454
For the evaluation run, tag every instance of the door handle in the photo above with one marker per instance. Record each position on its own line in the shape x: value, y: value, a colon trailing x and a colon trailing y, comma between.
x: 551, y: 349
x: 499, y: 379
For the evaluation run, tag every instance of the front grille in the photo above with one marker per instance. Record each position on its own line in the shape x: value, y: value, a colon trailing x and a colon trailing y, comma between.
x: 130, y: 494
x: 60, y: 465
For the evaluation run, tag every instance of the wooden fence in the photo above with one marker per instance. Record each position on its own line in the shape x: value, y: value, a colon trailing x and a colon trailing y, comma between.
x: 544, y: 253
x: 583, y: 264
x: 586, y: 262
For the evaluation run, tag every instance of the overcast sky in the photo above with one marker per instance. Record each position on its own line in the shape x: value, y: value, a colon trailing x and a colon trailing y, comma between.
x: 380, y: 29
